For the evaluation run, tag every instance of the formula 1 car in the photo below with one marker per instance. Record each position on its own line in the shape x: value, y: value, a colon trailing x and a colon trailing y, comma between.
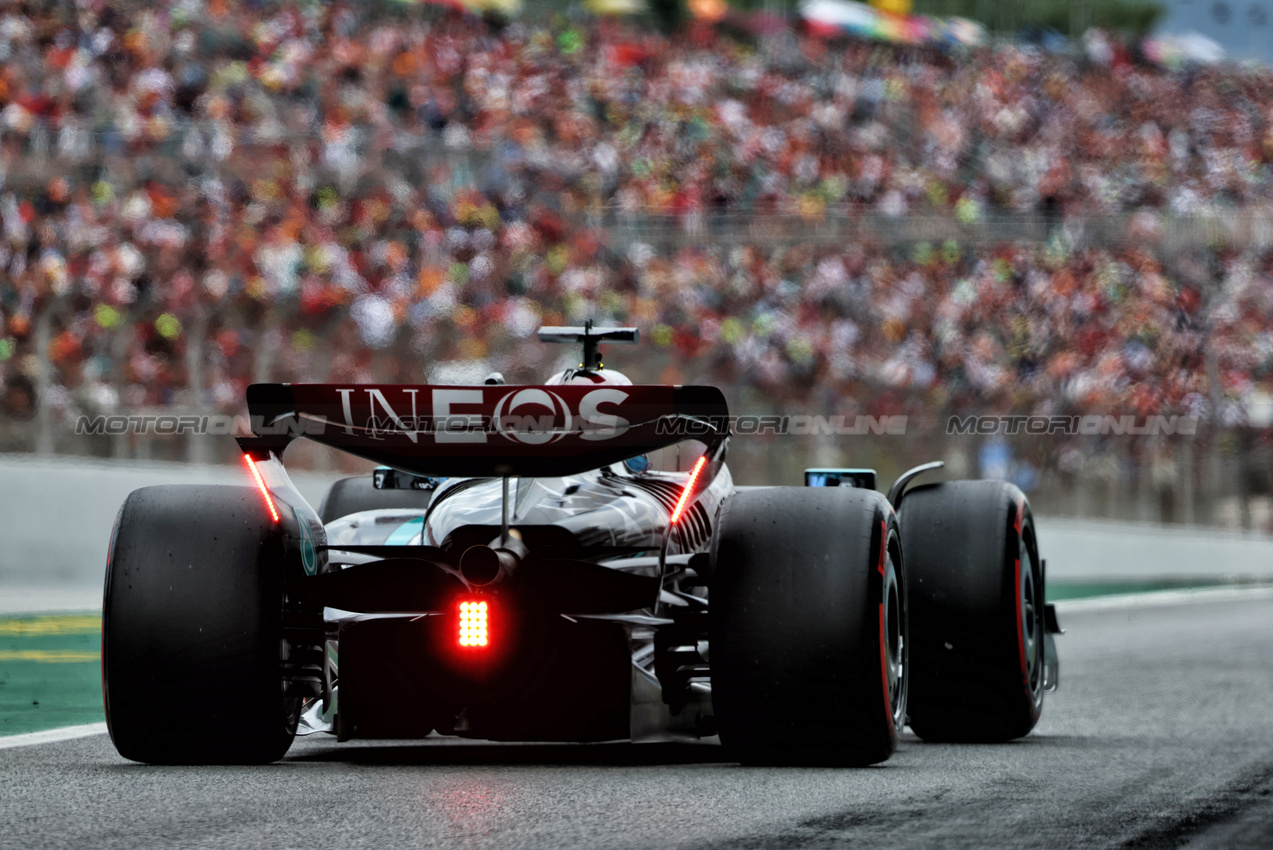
x: 518, y: 569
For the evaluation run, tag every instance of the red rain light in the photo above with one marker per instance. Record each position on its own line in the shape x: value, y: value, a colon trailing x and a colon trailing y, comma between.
x: 260, y: 483
x: 473, y: 630
x: 689, y: 488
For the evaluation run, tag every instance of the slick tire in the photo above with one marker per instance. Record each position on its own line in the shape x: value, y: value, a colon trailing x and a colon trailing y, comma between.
x: 977, y: 607
x: 351, y: 495
x: 192, y: 624
x: 808, y: 627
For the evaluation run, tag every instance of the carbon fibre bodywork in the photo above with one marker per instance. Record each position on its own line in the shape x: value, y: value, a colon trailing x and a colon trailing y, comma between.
x: 599, y: 561
x: 601, y: 508
x: 612, y: 518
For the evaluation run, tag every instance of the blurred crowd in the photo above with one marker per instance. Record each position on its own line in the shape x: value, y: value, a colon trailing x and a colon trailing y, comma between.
x: 200, y: 193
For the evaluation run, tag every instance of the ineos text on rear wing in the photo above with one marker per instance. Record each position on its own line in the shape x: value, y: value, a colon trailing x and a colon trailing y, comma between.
x: 486, y: 430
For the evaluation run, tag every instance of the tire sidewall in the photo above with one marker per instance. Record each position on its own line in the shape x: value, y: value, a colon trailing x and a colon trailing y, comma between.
x: 1023, y: 538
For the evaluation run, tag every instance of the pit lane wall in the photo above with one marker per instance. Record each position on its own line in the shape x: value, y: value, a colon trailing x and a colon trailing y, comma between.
x: 56, y: 516
x: 1081, y: 551
x: 56, y: 513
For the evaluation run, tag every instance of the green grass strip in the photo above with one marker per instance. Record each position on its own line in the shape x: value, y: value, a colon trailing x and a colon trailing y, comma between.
x: 50, y: 672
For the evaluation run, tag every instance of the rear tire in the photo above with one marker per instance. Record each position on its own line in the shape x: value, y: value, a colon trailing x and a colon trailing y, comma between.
x: 192, y: 629
x: 977, y: 599
x: 808, y: 626
x: 351, y: 495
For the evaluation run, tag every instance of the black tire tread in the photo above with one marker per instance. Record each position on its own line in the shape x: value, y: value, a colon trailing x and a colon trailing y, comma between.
x: 966, y: 679
x: 192, y: 629
x: 795, y: 649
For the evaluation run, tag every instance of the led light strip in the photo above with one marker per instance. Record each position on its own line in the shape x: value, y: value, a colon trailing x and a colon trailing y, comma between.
x: 260, y: 483
x: 689, y: 488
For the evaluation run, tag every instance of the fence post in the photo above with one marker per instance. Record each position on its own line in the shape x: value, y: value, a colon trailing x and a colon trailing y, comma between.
x: 44, y: 444
x: 198, y: 446
x: 119, y: 354
x: 1184, y: 477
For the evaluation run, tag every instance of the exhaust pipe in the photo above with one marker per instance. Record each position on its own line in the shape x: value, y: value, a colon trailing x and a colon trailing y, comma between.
x: 483, y: 565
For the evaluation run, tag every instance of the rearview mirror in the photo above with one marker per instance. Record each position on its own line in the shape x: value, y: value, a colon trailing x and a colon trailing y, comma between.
x: 863, y: 479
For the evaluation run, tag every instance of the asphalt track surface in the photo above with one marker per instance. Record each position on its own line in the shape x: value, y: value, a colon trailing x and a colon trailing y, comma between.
x: 1161, y: 736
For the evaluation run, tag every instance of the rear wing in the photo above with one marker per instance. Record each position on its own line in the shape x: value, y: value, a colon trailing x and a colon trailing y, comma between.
x: 486, y: 431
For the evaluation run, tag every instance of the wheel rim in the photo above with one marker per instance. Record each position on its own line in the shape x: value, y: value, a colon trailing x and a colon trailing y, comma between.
x: 894, y: 644
x: 1031, y: 618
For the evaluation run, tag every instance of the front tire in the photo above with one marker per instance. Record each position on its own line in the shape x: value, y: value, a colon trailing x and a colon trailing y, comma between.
x: 192, y: 629
x: 808, y: 626
x: 977, y: 598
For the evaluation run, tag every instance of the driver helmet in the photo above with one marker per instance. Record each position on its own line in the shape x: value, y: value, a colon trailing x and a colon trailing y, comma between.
x: 600, y: 377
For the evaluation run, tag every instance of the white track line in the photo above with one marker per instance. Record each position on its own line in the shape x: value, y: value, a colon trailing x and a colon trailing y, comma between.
x: 1064, y: 606
x: 1153, y: 599
x: 50, y: 736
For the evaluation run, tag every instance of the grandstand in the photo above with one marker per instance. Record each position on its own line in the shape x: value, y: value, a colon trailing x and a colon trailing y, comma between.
x: 188, y: 205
